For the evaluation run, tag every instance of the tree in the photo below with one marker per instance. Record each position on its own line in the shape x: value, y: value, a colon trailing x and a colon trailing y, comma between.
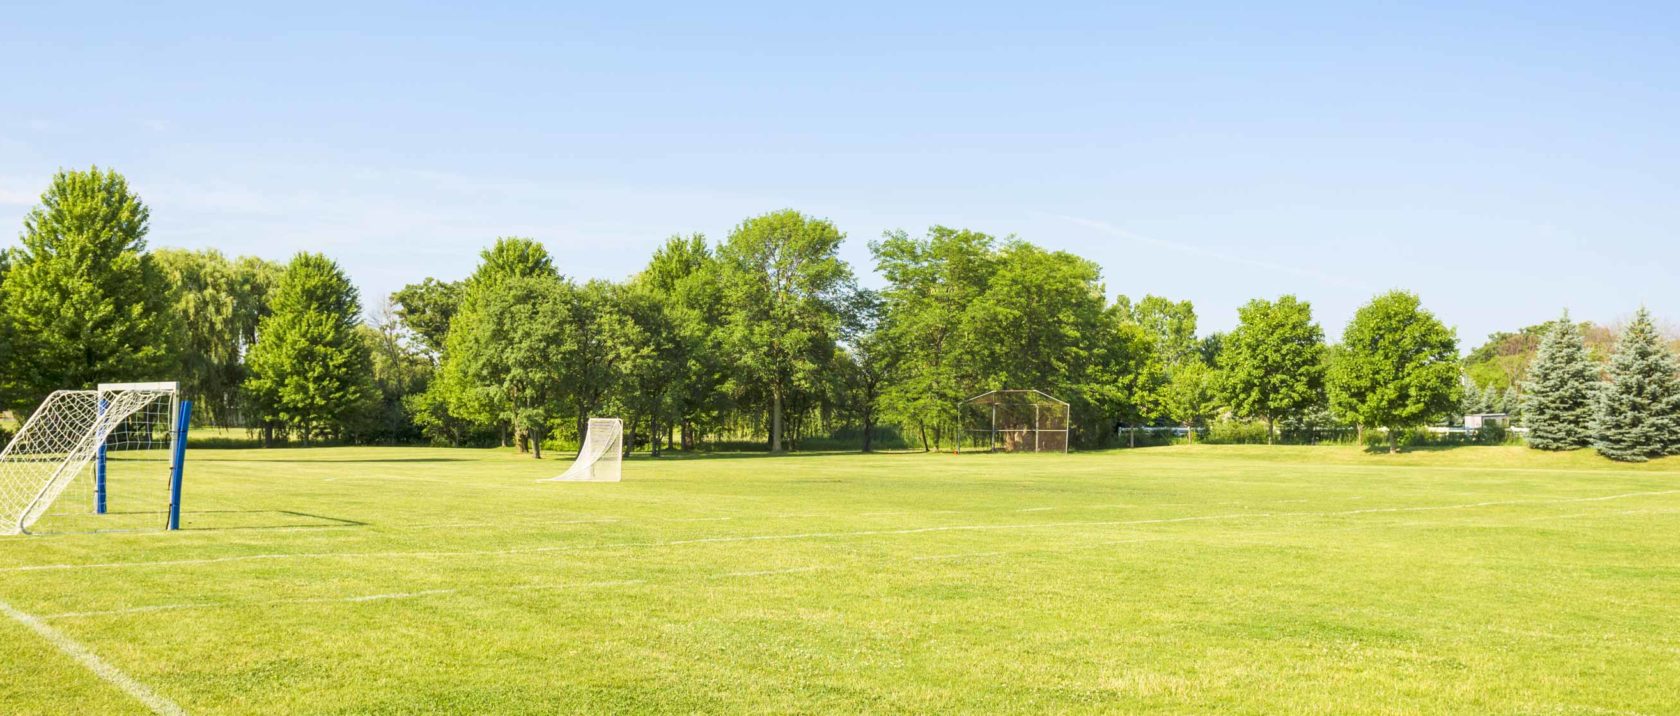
x: 1561, y: 391
x: 783, y: 283
x: 310, y: 368
x: 1638, y: 414
x: 217, y: 305
x: 466, y: 398
x: 1171, y: 323
x: 1273, y: 362
x: 1044, y: 323
x: 863, y: 366
x: 82, y: 301
x: 931, y: 282
x: 1397, y: 367
x: 683, y: 275
x: 1193, y: 395
x: 401, y: 368
x: 426, y: 308
x: 512, y: 344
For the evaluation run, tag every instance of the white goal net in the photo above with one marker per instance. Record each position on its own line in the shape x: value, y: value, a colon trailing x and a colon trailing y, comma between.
x: 601, y: 457
x: 113, y: 445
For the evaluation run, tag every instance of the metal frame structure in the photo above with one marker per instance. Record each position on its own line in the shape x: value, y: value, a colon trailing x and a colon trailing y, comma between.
x: 1051, y: 423
x: 59, y: 440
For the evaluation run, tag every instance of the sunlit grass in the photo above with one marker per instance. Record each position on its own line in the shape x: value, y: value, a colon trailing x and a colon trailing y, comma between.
x: 1181, y: 579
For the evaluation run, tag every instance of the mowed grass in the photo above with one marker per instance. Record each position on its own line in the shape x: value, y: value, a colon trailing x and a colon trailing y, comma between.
x: 1165, y: 580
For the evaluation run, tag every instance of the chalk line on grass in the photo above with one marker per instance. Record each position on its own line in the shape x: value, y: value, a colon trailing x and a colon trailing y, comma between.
x: 158, y: 703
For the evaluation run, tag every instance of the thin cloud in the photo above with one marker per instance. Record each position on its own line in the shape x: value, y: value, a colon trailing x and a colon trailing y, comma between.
x: 1225, y: 257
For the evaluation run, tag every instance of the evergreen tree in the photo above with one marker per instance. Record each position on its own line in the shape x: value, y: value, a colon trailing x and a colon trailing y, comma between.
x: 310, y: 370
x: 1560, y: 391
x: 82, y: 301
x: 1639, y: 409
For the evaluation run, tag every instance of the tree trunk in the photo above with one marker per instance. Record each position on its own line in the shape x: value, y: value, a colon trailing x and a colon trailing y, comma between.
x: 775, y: 420
x: 1131, y: 436
x: 868, y: 433
x: 923, y: 430
x: 1393, y: 441
x: 653, y: 435
x: 1190, y: 432
x: 1268, y: 430
x: 536, y: 444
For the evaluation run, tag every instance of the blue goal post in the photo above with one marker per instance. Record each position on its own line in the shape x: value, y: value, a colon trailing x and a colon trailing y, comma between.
x: 180, y: 419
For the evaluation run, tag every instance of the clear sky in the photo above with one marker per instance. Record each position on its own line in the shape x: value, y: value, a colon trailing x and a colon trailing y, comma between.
x: 1505, y: 161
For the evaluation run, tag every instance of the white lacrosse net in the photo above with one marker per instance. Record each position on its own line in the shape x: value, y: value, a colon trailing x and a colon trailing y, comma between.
x: 57, y: 452
x: 601, y: 457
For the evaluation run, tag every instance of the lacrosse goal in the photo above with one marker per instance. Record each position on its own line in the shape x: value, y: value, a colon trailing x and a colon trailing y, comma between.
x: 600, y: 458
x: 121, y: 446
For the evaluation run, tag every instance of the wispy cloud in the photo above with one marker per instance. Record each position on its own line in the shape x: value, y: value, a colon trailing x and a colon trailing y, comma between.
x: 1223, y: 256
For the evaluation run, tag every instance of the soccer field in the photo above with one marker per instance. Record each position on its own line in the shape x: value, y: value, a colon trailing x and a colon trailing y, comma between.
x: 1168, y: 580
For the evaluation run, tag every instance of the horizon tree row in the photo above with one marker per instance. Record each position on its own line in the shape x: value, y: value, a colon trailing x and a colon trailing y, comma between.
x: 764, y: 336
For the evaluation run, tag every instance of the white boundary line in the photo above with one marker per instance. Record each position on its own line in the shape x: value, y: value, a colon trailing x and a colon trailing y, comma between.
x: 158, y: 703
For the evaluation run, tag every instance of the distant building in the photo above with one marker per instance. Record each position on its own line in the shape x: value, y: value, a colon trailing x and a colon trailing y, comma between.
x: 1477, y: 421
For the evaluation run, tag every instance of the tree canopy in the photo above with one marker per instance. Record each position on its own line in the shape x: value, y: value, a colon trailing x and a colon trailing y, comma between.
x: 1397, y: 367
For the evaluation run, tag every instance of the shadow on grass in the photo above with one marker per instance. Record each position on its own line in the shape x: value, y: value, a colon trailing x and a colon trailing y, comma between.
x: 276, y: 519
x: 223, y: 458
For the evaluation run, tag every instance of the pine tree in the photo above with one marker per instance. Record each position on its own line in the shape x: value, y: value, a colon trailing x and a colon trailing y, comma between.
x: 1639, y: 410
x: 310, y: 370
x: 1560, y: 391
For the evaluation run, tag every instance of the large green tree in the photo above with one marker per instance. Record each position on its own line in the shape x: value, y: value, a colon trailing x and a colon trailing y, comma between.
x: 217, y: 304
x: 426, y: 309
x: 1172, y: 324
x: 1044, y: 323
x: 1638, y: 411
x: 683, y: 277
x: 931, y: 283
x: 784, y: 283
x: 1397, y: 366
x: 466, y: 398
x: 1272, y: 363
x: 1560, y: 392
x: 512, y: 344
x: 1192, y: 396
x: 83, y: 302
x: 310, y: 368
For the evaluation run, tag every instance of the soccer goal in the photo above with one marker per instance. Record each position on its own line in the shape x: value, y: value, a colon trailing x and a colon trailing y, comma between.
x: 601, y: 457
x: 122, y: 447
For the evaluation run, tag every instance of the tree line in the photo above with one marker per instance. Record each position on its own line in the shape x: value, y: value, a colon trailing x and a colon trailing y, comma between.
x: 765, y: 336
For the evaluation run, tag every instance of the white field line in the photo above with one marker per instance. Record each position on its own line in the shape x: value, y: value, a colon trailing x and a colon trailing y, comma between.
x: 819, y: 535
x: 158, y: 703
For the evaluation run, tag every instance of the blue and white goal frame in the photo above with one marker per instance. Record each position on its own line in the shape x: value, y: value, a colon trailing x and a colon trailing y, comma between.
x: 180, y: 412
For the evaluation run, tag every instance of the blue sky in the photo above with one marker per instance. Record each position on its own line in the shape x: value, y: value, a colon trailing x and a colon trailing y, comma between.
x: 1505, y: 161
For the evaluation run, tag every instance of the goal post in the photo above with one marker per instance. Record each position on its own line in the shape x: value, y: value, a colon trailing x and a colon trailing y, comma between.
x: 125, y: 443
x: 600, y: 456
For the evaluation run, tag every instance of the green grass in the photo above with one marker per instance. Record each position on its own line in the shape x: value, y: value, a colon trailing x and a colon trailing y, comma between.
x: 1165, y: 580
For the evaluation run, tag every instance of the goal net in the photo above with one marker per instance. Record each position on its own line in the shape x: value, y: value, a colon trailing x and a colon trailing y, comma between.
x: 92, y: 459
x: 601, y: 457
